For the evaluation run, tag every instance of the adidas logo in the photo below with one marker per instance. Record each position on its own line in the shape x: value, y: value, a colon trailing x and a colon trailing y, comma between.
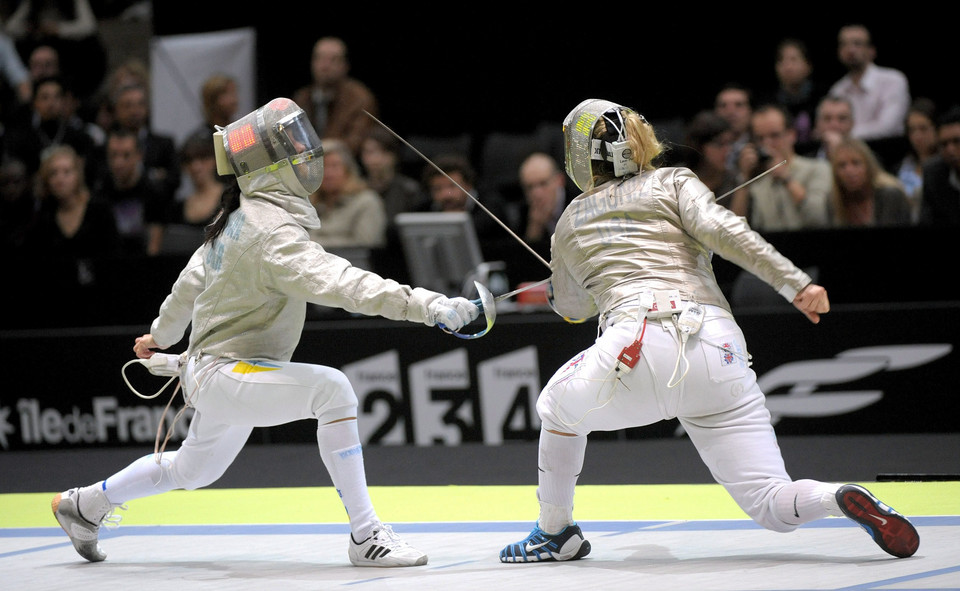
x: 376, y: 552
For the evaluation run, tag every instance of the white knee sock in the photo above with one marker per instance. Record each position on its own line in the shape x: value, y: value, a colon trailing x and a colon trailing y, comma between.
x: 142, y: 478
x: 806, y: 500
x: 560, y: 462
x: 342, y: 455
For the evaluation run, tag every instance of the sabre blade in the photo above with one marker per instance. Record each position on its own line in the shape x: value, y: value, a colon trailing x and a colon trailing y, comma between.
x: 762, y: 174
x: 467, y: 193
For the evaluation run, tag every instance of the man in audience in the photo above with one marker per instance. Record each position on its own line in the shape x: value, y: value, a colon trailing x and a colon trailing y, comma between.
x: 941, y: 176
x: 794, y: 195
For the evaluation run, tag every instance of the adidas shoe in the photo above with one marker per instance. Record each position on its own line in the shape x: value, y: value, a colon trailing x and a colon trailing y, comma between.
x: 384, y: 548
x: 84, y: 532
x: 540, y: 546
x: 890, y: 530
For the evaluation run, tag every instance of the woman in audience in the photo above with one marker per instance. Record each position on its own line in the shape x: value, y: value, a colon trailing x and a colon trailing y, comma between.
x: 922, y: 139
x: 184, y: 222
x: 70, y: 224
x: 863, y: 193
x: 351, y: 214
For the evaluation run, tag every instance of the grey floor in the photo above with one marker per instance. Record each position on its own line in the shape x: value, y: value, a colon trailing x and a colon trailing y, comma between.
x: 736, y: 554
x: 647, y: 461
x: 827, y: 554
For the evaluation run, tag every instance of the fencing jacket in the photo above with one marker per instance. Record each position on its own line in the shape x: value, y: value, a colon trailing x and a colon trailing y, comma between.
x: 655, y: 231
x: 246, y: 292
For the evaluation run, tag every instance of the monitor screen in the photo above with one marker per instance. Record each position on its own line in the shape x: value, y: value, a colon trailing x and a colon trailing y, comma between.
x: 441, y: 250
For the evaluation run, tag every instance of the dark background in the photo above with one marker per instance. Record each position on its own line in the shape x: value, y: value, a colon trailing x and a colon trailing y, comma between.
x: 447, y: 68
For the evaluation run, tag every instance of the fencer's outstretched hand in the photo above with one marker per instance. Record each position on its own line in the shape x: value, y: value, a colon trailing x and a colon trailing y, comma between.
x: 452, y: 313
x: 143, y: 346
x: 812, y: 301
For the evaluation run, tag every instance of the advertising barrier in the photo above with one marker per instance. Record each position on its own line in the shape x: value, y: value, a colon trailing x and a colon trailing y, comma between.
x: 863, y: 370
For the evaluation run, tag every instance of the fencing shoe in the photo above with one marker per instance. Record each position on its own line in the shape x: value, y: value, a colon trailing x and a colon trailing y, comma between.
x: 890, y: 530
x: 84, y: 530
x: 540, y: 546
x: 384, y: 548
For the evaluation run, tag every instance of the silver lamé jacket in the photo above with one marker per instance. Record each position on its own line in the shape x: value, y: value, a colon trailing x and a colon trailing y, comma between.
x: 246, y: 292
x: 655, y: 231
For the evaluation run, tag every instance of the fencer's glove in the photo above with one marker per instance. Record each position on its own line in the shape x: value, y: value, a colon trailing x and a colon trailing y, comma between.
x: 452, y: 313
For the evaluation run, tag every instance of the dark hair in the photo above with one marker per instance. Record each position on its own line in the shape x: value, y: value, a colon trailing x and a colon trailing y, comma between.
x: 450, y: 163
x: 387, y: 140
x: 229, y: 202
x: 949, y: 117
x: 766, y: 107
x: 795, y: 43
x: 197, y: 145
x: 705, y: 127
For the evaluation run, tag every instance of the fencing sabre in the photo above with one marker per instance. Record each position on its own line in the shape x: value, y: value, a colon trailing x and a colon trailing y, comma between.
x: 486, y: 302
x: 742, y: 185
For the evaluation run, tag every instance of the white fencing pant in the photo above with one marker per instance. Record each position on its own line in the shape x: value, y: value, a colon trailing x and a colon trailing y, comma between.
x: 230, y: 398
x: 717, y: 401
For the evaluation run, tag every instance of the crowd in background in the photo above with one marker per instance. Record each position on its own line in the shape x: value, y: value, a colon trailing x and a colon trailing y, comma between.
x: 83, y: 174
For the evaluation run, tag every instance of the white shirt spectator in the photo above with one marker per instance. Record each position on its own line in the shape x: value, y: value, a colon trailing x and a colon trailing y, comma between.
x: 880, y: 101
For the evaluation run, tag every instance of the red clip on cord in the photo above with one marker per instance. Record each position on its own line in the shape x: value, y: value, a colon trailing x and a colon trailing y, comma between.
x: 630, y: 354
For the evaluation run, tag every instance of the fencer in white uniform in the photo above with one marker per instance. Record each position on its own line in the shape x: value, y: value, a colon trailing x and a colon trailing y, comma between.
x: 244, y: 295
x: 634, y: 249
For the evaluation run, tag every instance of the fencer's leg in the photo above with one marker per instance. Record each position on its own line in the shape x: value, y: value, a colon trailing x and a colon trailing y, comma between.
x: 342, y: 455
x: 560, y: 459
x: 205, y: 454
x: 556, y: 535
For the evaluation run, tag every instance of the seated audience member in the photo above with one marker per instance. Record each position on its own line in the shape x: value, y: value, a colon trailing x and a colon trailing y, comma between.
x: 863, y: 193
x: 446, y: 193
x: 220, y: 100
x: 45, y: 124
x: 184, y: 222
x: 380, y: 157
x: 796, y: 89
x: 17, y: 204
x: 940, y: 194
x: 833, y: 121
x: 351, y: 214
x: 734, y: 102
x: 136, y: 202
x: 708, y: 141
x: 71, y: 224
x: 922, y: 137
x: 545, y: 197
x: 335, y: 101
x: 794, y: 195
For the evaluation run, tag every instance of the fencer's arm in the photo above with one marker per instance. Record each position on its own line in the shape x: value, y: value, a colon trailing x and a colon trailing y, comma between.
x: 143, y: 346
x: 176, y: 311
x: 812, y: 301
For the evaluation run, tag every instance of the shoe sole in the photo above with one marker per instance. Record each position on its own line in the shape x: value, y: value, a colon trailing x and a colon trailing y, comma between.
x: 84, y: 552
x: 890, y: 530
x: 582, y: 551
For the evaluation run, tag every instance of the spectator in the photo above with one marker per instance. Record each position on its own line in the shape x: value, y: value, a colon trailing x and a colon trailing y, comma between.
x: 45, y: 126
x: 922, y: 137
x: 380, y: 157
x: 793, y: 196
x: 863, y: 193
x: 545, y: 198
x: 17, y: 204
x: 137, y: 204
x: 880, y: 96
x: 220, y: 100
x: 708, y: 142
x: 446, y: 192
x: 184, y: 221
x: 334, y: 101
x: 14, y: 79
x: 43, y: 61
x: 129, y: 72
x: 131, y: 111
x: 70, y: 27
x: 351, y: 214
x: 72, y: 225
x: 833, y: 122
x: 734, y: 102
x: 941, y: 175
x: 796, y: 90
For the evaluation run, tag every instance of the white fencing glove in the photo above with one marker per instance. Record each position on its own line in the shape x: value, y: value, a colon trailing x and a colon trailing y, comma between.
x: 452, y: 313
